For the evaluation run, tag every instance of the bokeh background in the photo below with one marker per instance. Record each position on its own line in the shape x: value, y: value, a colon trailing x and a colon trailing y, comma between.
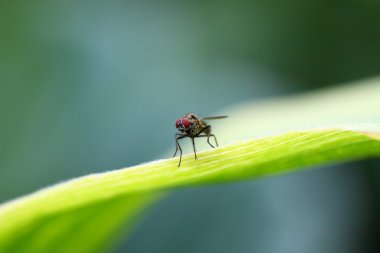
x: 90, y: 86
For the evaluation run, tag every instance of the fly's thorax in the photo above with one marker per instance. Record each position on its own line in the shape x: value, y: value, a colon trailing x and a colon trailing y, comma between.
x: 206, y: 128
x: 191, y: 116
x: 199, y: 127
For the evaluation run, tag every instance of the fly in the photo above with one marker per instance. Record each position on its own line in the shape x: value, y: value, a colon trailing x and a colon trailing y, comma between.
x: 190, y: 125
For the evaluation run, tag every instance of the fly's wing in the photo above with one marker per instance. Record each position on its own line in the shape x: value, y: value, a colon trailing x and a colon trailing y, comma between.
x: 213, y: 117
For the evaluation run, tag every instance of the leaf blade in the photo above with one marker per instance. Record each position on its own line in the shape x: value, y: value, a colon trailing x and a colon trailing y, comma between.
x: 141, y: 185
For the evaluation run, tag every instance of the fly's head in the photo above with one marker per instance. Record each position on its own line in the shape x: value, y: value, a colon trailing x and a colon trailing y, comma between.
x: 183, y: 125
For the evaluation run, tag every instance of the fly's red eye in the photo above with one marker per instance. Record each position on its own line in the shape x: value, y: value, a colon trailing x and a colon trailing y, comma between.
x: 177, y: 123
x: 185, y: 123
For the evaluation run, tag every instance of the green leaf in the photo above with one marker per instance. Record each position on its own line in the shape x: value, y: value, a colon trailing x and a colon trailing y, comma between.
x: 82, y: 214
x: 90, y: 213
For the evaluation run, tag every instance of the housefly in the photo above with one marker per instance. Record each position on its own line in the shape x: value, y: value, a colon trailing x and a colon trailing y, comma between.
x: 190, y: 125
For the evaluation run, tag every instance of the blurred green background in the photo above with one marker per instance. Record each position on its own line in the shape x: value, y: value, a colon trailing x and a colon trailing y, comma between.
x: 90, y: 86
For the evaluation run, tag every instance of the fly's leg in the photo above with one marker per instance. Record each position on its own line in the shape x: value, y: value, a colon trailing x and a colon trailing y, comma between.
x: 208, y: 139
x: 177, y: 146
x: 195, y: 152
x: 208, y: 136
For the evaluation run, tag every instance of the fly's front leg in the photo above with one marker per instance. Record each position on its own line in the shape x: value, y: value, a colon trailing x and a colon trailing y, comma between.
x: 177, y: 146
